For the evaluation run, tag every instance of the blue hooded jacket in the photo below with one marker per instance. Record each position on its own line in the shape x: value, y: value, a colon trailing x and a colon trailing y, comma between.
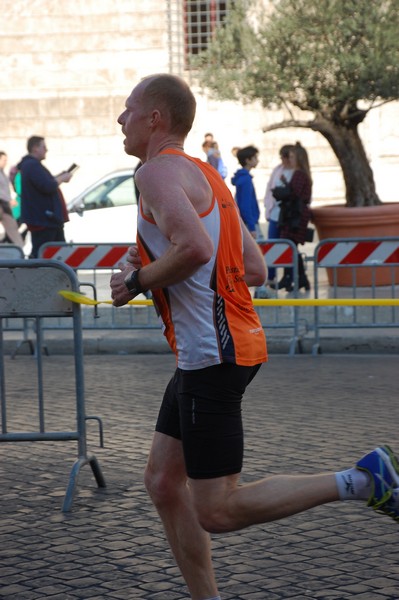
x: 40, y: 200
x: 246, y: 198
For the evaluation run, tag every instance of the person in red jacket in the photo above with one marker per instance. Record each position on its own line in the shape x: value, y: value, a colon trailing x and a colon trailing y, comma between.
x: 294, y: 199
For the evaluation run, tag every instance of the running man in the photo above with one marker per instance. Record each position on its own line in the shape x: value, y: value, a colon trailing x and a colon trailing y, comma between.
x: 198, y: 259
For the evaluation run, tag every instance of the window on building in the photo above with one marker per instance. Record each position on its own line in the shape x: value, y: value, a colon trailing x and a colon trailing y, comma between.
x: 192, y: 25
x: 201, y: 20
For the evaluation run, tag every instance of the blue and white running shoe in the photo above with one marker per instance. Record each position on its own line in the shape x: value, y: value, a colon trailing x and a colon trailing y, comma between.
x: 391, y: 506
x: 383, y: 469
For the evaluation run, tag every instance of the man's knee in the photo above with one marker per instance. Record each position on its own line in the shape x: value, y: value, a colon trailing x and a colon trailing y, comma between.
x: 214, y: 518
x: 161, y: 485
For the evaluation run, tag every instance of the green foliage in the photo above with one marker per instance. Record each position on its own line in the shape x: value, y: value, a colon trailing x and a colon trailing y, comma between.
x: 221, y: 67
x: 320, y: 56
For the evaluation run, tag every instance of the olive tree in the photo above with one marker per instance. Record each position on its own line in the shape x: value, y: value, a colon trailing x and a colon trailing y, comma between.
x: 328, y: 62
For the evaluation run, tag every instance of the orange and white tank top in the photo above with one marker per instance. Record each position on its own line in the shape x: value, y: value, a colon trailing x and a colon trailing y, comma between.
x: 208, y: 318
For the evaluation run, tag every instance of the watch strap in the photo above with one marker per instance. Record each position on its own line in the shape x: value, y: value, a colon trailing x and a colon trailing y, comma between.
x: 133, y: 284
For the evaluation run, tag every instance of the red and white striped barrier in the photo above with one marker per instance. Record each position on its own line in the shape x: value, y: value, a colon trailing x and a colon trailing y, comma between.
x: 277, y: 253
x: 108, y: 256
x: 87, y: 256
x: 367, y: 253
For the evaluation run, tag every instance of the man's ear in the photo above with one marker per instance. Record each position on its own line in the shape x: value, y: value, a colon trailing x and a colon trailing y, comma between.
x: 155, y: 117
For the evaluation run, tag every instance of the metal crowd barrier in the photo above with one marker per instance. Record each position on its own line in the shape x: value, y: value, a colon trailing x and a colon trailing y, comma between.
x: 96, y: 259
x: 346, y: 258
x: 99, y: 260
x: 280, y: 253
x: 13, y: 252
x: 29, y: 289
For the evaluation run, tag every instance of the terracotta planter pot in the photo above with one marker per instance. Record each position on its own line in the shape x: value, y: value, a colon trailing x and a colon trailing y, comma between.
x: 366, y: 222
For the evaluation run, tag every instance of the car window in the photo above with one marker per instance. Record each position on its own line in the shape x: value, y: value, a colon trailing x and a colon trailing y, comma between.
x: 117, y: 191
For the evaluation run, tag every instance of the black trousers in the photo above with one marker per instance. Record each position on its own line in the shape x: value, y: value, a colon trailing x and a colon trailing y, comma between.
x: 50, y: 234
x: 289, y: 271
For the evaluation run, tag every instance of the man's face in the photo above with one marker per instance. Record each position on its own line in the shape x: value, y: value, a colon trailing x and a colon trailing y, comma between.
x: 40, y: 150
x: 252, y: 162
x: 135, y: 123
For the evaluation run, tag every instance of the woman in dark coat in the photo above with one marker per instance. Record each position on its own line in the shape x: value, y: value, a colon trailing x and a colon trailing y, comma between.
x: 295, y: 212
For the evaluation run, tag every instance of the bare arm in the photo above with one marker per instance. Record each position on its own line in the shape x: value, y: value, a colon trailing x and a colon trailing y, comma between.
x: 165, y: 196
x: 254, y: 262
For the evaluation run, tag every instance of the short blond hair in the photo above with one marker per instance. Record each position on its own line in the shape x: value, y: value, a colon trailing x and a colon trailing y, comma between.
x: 175, y: 96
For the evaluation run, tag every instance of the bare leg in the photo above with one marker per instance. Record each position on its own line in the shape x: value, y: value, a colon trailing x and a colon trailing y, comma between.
x: 11, y: 227
x: 166, y: 482
x: 223, y: 505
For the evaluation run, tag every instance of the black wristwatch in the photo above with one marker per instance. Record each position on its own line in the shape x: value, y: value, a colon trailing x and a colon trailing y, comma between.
x: 132, y: 283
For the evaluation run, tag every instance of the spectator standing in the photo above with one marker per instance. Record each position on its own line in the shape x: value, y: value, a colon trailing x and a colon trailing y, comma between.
x: 215, y: 159
x: 281, y: 174
x: 6, y: 204
x: 42, y: 203
x: 15, y: 180
x: 295, y: 197
x: 245, y: 191
x: 5, y: 190
x: 207, y: 144
x: 213, y: 155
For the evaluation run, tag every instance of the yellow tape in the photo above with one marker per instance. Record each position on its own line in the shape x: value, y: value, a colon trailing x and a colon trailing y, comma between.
x: 327, y: 302
x: 82, y: 299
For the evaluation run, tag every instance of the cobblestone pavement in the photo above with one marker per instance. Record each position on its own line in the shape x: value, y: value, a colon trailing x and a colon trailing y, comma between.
x: 302, y: 414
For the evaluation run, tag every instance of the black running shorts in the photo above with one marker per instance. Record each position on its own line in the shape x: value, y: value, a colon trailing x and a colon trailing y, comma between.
x: 203, y: 409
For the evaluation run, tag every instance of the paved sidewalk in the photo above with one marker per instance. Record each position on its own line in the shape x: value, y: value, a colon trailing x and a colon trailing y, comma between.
x: 302, y: 414
x: 382, y: 341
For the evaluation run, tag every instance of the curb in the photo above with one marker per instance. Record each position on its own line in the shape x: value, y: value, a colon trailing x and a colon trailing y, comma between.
x: 153, y: 342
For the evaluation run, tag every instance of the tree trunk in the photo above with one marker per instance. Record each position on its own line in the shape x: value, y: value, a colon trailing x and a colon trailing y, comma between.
x: 348, y: 148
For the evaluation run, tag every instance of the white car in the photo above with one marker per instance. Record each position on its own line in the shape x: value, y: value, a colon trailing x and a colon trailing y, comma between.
x: 104, y: 212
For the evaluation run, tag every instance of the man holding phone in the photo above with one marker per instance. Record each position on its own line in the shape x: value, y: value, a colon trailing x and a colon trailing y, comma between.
x: 43, y: 206
x: 74, y: 167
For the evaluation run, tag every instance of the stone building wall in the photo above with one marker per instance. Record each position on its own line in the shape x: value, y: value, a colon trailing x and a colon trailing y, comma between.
x: 67, y: 68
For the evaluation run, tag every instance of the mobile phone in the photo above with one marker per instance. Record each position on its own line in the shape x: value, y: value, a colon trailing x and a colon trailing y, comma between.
x: 72, y: 168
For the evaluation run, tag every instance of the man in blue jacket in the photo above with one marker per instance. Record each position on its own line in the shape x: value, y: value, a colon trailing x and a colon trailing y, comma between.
x: 245, y: 191
x: 42, y: 204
